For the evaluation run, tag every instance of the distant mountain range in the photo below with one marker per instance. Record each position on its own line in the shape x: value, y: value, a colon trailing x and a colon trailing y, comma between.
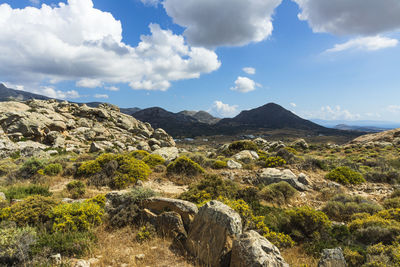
x: 369, y: 129
x: 360, y: 123
x: 200, y: 123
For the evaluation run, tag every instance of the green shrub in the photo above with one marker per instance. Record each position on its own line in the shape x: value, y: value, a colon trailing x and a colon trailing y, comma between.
x: 373, y: 229
x: 23, y: 191
x: 53, y: 169
x: 210, y: 187
x: 116, y: 171
x: 219, y: 164
x: 390, y: 177
x: 69, y: 244
x: 342, y: 207
x: 76, y: 188
x: 145, y: 233
x: 31, y: 167
x: 140, y: 154
x: 153, y: 160
x: 238, y: 146
x: 395, y: 194
x: 305, y: 223
x: 33, y: 210
x: 15, y: 245
x: 184, y: 166
x: 272, y: 162
x: 381, y: 255
x: 312, y: 163
x: 76, y: 216
x: 99, y: 200
x: 277, y: 193
x: 353, y: 258
x: 392, y: 203
x: 345, y: 175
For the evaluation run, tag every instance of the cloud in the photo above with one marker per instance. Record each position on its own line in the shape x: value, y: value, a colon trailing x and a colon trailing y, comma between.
x: 249, y: 70
x: 54, y: 93
x: 224, y: 110
x: 150, y: 2
x: 351, y: 17
x: 211, y: 23
x: 393, y: 109
x: 244, y: 85
x: 293, y: 105
x: 101, y: 96
x: 78, y: 42
x: 111, y: 88
x: 365, y: 43
x: 332, y: 113
x: 35, y: 2
x: 89, y: 83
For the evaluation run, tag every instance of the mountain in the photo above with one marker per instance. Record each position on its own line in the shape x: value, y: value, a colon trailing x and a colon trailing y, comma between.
x: 369, y: 129
x: 358, y: 123
x: 7, y: 94
x: 269, y: 116
x: 201, y: 116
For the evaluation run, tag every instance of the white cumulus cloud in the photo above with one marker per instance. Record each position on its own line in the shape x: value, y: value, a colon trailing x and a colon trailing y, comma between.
x: 293, y: 105
x: 101, y: 96
x: 365, y: 43
x: 111, y: 88
x: 89, y: 83
x: 333, y: 113
x: 212, y: 23
x: 54, y: 93
x: 244, y: 85
x: 221, y: 109
x: 351, y: 17
x: 393, y: 109
x: 75, y: 41
x: 249, y: 70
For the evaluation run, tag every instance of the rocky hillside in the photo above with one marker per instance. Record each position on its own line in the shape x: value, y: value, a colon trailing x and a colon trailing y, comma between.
x: 201, y: 116
x: 7, y: 94
x: 386, y: 138
x: 47, y: 125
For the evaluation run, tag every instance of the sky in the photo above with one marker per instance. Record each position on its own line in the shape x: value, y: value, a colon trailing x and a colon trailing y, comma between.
x: 325, y: 59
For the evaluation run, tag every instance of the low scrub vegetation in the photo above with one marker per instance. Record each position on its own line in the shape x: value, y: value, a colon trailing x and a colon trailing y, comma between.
x: 184, y: 166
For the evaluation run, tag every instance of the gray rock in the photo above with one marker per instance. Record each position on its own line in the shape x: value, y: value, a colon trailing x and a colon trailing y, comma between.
x: 185, y: 209
x: 273, y: 175
x: 2, y: 196
x: 231, y: 164
x: 164, y: 139
x: 56, y: 259
x: 253, y: 250
x: 300, y: 144
x: 246, y: 156
x: 212, y: 232
x: 168, y: 153
x: 332, y: 258
x: 82, y: 263
x: 304, y: 179
x: 94, y: 147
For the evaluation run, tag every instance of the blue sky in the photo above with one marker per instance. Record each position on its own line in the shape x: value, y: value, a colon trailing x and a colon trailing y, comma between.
x: 194, y: 56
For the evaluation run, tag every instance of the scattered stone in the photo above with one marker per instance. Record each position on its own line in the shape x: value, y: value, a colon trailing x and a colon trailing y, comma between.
x: 140, y: 257
x: 231, y: 164
x: 246, y: 156
x: 56, y: 259
x: 2, y: 196
x: 212, y: 233
x: 168, y: 153
x: 300, y: 144
x: 273, y: 175
x: 332, y: 258
x: 82, y: 263
x: 94, y: 261
x: 252, y: 249
x: 304, y: 179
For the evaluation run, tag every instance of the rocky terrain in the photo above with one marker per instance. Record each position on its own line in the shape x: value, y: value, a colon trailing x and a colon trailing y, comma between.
x: 91, y: 186
x: 47, y: 125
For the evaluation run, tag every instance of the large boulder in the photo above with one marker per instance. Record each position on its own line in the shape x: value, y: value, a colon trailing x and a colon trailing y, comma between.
x: 253, y: 250
x: 165, y: 139
x: 332, y: 258
x: 231, y: 164
x: 212, y: 233
x: 246, y: 156
x: 185, y: 209
x: 168, y: 153
x: 272, y: 175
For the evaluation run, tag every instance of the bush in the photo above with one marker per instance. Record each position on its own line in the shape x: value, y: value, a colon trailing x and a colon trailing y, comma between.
x: 238, y: 146
x: 145, y: 233
x: 305, y: 223
x: 76, y: 189
x: 374, y: 229
x: 153, y: 160
x: 69, y: 244
x: 210, y: 187
x: 116, y: 171
x: 392, y: 203
x: 219, y: 164
x: 33, y: 210
x: 345, y: 175
x: 31, y: 167
x: 185, y: 166
x: 277, y: 193
x: 140, y: 154
x: 76, y: 216
x: 15, y: 244
x: 53, y: 169
x: 342, y: 207
x: 381, y: 255
x: 272, y: 162
x: 23, y: 191
x: 353, y: 258
x: 390, y: 177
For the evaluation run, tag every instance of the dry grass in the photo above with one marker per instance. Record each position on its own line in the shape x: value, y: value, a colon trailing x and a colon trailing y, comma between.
x: 118, y: 247
x: 296, y: 257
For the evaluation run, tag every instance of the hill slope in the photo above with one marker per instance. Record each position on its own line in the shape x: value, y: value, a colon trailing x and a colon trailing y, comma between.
x: 201, y: 116
x: 7, y: 94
